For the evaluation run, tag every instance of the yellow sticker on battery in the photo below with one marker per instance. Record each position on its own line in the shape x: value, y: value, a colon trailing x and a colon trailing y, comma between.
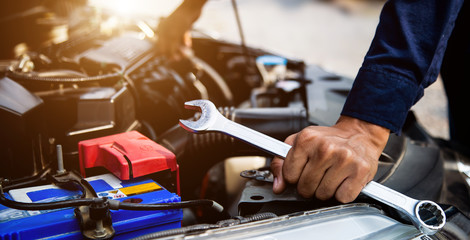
x: 141, y: 188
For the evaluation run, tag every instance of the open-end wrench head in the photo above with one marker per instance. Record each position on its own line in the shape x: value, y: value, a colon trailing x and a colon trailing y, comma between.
x: 431, y: 218
x: 205, y: 121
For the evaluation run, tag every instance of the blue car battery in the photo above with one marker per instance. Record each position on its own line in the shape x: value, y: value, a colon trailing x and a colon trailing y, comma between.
x: 63, y: 224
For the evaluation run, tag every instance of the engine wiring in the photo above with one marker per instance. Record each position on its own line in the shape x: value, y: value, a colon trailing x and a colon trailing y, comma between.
x: 112, y: 204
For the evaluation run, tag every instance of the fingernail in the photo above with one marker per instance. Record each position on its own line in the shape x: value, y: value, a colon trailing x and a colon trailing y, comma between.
x: 275, y: 183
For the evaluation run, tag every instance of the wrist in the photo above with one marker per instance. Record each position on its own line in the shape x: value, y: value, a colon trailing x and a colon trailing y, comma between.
x: 377, y: 134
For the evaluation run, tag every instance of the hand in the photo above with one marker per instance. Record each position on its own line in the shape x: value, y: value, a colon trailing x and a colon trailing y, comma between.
x: 174, y: 37
x: 331, y: 161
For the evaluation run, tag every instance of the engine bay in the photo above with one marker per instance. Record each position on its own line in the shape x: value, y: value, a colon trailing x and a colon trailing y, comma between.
x: 91, y: 145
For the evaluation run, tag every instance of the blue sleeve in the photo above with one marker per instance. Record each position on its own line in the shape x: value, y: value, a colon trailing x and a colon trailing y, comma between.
x: 404, y: 58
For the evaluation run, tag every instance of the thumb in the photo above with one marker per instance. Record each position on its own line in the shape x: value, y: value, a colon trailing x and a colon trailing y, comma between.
x: 279, y: 185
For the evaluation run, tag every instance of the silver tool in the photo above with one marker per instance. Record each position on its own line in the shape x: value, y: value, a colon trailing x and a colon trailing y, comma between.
x: 213, y: 121
x: 263, y: 176
x: 427, y: 216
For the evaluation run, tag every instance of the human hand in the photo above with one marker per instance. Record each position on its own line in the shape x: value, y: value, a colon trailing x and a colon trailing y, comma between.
x: 331, y: 161
x: 174, y: 36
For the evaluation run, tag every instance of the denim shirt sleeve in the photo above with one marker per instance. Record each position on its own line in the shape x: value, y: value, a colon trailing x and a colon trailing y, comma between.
x: 404, y: 58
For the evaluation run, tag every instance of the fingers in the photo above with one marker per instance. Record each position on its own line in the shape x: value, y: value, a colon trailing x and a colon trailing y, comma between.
x: 173, y: 36
x: 349, y: 190
x: 187, y: 39
x: 279, y: 185
x: 297, y: 157
x: 170, y: 48
x: 325, y: 171
x: 328, y: 162
x: 309, y: 181
x: 341, y: 168
x: 345, y: 180
x: 342, y: 175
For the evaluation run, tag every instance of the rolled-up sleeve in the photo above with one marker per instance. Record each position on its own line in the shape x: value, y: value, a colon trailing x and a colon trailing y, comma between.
x: 404, y: 58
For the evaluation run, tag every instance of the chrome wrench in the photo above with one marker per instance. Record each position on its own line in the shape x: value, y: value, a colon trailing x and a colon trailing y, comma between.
x: 426, y: 216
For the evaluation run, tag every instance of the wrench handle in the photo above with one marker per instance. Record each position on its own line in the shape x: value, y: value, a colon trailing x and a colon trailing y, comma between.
x: 256, y: 138
x: 390, y: 197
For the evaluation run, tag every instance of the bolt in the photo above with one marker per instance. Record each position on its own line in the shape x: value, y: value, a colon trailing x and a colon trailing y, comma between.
x: 60, y: 160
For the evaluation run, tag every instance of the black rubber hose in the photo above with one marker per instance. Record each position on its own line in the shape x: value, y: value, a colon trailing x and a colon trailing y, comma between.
x: 50, y: 205
x: 115, y: 205
x: 275, y: 122
x: 22, y: 76
x: 27, y: 181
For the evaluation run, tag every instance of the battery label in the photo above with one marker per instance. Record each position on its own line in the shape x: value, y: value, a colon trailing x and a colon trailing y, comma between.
x: 112, y: 194
x: 129, y: 191
x: 142, y: 188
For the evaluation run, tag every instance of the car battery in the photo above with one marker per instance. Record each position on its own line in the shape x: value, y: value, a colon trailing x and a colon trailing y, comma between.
x: 63, y: 224
x: 130, y: 155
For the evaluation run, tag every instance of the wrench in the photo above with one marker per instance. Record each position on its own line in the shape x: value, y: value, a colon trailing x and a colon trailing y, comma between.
x: 426, y: 216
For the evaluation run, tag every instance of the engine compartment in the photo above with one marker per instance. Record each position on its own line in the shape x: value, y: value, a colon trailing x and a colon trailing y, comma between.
x: 117, y: 93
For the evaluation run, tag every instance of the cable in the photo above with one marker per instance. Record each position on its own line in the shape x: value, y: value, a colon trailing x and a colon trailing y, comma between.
x: 115, y: 205
x: 51, y: 205
x: 21, y: 76
x: 27, y: 181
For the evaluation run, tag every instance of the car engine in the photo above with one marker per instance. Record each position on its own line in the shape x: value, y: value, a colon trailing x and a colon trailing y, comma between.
x: 91, y: 145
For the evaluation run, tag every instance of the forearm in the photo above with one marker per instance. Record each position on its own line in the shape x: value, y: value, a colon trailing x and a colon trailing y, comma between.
x: 174, y: 31
x: 190, y: 8
x: 404, y: 58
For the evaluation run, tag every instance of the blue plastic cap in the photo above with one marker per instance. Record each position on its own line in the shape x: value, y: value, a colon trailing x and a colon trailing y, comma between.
x: 270, y: 60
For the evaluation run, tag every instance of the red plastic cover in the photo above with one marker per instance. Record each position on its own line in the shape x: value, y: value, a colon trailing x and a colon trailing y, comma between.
x: 127, y: 155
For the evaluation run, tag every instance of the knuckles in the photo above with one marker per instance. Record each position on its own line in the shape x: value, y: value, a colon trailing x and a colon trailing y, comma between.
x: 336, y: 152
x: 345, y: 197
x: 325, y: 191
x: 289, y: 177
x: 307, y: 135
x: 306, y: 193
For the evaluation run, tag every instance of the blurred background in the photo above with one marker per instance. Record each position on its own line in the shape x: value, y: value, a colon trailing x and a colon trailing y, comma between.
x: 334, y: 34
